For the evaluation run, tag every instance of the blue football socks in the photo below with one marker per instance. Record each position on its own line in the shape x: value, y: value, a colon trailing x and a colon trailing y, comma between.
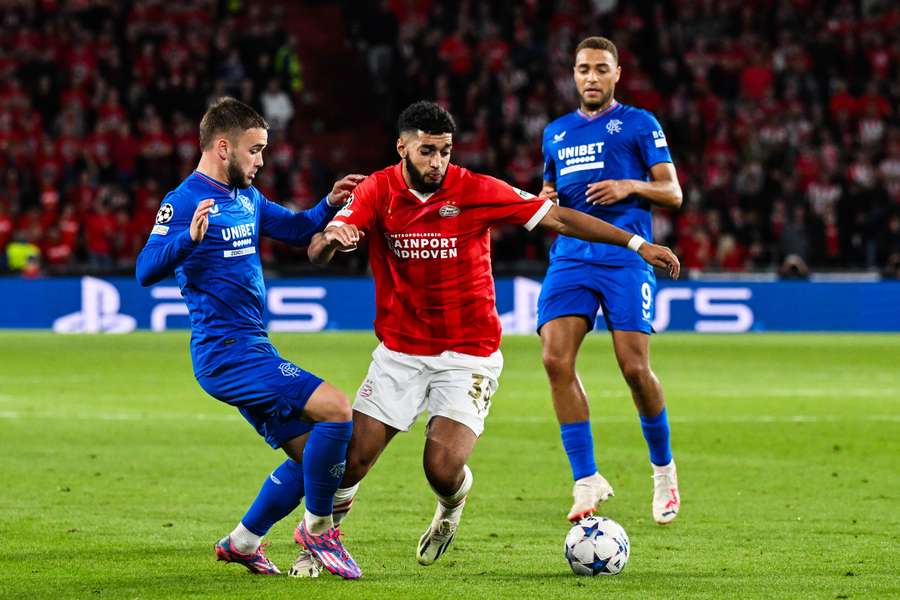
x: 324, y: 460
x: 579, y: 444
x: 279, y: 495
x: 656, y: 432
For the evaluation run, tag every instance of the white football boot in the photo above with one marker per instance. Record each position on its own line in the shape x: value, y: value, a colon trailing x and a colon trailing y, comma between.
x: 588, y: 493
x: 306, y: 565
x: 436, y: 539
x: 666, y: 500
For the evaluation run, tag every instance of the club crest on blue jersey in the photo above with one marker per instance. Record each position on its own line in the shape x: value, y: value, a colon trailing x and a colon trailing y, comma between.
x: 247, y: 203
x: 614, y: 126
x: 289, y: 369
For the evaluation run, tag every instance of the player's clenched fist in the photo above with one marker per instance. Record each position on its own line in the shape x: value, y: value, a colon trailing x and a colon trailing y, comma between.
x: 343, y: 237
x: 200, y: 220
x: 660, y: 256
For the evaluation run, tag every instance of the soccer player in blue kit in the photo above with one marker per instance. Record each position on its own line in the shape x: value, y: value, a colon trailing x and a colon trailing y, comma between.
x: 612, y: 161
x: 208, y: 230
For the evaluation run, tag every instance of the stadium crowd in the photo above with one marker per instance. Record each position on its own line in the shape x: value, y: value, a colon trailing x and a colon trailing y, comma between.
x: 782, y: 116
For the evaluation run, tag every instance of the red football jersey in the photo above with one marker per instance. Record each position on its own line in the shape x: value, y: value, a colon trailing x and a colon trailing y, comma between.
x: 431, y: 257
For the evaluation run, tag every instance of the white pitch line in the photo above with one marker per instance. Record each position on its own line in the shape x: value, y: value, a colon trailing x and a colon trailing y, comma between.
x: 737, y: 419
x: 793, y: 393
x: 115, y: 416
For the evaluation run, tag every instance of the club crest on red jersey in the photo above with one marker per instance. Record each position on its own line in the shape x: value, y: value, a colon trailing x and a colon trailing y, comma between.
x: 449, y: 210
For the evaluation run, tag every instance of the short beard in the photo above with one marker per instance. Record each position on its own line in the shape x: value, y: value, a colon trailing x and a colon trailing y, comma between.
x: 234, y: 174
x: 592, y: 106
x: 419, y: 183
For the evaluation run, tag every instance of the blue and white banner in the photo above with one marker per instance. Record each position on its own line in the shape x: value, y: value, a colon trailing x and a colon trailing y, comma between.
x: 120, y: 305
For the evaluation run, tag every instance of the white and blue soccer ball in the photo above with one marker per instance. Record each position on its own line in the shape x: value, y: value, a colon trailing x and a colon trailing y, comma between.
x: 597, y: 546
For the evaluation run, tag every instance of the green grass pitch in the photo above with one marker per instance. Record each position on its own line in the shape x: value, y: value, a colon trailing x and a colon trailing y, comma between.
x: 118, y: 475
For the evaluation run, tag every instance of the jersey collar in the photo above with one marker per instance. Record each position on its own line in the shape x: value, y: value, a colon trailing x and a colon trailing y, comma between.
x: 449, y: 179
x: 613, y: 106
x: 231, y: 191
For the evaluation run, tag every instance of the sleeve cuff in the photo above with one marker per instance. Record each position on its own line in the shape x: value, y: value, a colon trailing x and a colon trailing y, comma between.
x: 538, y: 216
x: 185, y: 241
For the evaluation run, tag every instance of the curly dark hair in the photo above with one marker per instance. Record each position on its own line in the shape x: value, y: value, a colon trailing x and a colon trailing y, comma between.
x: 425, y: 116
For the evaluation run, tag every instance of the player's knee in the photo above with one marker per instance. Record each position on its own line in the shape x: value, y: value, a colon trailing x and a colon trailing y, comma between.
x: 557, y: 364
x: 330, y: 405
x: 636, y: 373
x: 444, y: 473
x: 340, y: 410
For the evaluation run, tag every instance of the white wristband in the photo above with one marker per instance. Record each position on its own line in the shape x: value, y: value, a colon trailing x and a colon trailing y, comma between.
x: 635, y: 242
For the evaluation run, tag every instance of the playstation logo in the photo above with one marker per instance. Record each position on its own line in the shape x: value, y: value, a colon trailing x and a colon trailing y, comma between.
x: 99, y: 312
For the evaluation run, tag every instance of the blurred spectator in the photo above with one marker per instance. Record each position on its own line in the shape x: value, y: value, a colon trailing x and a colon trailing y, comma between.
x: 6, y: 233
x: 795, y: 244
x: 58, y: 252
x: 99, y: 230
x: 22, y: 254
x: 287, y: 65
x: 277, y: 107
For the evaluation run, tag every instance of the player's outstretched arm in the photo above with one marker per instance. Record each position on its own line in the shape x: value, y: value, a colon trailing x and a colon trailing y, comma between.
x: 168, y: 246
x: 574, y: 223
x: 297, y: 228
x: 343, y: 237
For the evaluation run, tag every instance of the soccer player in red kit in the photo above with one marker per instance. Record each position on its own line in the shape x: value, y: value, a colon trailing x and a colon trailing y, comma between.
x: 428, y: 226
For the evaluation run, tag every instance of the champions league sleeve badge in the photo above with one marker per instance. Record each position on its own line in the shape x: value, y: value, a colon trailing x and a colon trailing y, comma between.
x: 165, y: 213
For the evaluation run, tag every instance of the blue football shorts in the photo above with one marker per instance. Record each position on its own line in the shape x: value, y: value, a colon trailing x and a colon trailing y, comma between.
x: 626, y: 295
x: 269, y: 390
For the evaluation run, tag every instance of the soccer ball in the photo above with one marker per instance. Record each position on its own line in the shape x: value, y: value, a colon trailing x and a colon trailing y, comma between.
x: 597, y: 546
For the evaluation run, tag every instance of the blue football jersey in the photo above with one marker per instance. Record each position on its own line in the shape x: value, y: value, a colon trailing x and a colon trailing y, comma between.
x: 221, y: 277
x: 622, y: 142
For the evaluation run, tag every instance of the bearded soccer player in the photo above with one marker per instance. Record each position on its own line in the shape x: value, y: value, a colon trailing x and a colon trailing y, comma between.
x: 208, y: 231
x: 428, y: 226
x: 612, y: 161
